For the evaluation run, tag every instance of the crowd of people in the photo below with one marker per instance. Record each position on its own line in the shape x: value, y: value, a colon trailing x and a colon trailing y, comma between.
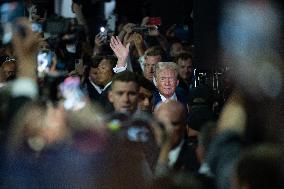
x: 85, y: 108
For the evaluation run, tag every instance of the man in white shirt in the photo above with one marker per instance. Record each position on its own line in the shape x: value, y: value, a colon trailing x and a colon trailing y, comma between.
x: 166, y: 80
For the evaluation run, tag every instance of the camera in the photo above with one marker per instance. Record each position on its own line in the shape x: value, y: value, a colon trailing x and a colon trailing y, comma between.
x: 140, y: 29
x: 103, y: 31
x: 104, y: 34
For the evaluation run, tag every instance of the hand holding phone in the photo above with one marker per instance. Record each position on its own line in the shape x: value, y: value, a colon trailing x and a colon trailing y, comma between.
x: 103, y: 33
x: 43, y: 62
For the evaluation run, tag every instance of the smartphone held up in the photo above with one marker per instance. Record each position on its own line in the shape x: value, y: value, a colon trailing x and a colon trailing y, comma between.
x: 44, y: 62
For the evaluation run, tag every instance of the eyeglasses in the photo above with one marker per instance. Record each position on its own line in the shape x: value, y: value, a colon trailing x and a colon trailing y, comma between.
x: 9, y: 59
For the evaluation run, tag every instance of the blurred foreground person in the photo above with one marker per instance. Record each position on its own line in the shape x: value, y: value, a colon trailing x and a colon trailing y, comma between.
x: 36, y: 132
x: 260, y: 167
x: 52, y: 150
x: 176, y: 153
x: 177, y: 181
x: 253, y: 114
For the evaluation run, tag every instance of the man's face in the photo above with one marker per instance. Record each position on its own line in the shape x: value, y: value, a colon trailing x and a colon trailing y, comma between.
x: 145, y: 100
x: 176, y: 121
x: 104, y: 72
x: 185, y: 68
x: 124, y: 96
x: 149, y: 68
x: 167, y: 82
x: 93, y: 74
x: 43, y: 46
x: 177, y: 48
x: 9, y: 70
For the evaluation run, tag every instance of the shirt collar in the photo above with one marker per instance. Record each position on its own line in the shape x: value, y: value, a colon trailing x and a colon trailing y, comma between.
x: 174, y: 97
x: 106, y: 86
x: 98, y: 88
x: 174, y: 153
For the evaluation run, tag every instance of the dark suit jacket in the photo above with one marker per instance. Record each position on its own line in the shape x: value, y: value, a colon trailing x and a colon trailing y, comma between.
x: 187, y: 160
x: 92, y: 92
x: 102, y: 98
x: 104, y: 102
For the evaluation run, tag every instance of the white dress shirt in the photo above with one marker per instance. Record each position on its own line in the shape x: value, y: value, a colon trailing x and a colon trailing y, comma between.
x: 173, y: 154
x: 174, y: 97
x: 98, y: 88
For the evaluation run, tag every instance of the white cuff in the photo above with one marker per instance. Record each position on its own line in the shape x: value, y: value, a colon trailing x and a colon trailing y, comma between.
x: 119, y: 69
x: 24, y: 87
x: 141, y: 61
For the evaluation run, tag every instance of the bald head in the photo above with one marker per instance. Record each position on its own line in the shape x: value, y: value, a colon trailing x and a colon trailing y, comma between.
x: 173, y: 110
x: 174, y: 113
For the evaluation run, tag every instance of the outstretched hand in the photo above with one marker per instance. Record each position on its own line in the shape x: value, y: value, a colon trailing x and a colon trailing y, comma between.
x: 119, y: 50
x: 26, y: 48
x: 145, y: 21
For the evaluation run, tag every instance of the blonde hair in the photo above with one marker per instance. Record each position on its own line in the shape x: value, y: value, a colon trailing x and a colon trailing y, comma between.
x: 153, y: 51
x: 160, y: 66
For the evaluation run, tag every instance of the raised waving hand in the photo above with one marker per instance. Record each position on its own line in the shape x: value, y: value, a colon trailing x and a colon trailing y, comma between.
x: 119, y: 50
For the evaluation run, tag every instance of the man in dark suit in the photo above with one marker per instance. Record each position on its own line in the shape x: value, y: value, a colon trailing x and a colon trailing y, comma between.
x: 185, y: 71
x: 91, y: 83
x: 99, y: 80
x: 177, y: 152
x: 166, y: 77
